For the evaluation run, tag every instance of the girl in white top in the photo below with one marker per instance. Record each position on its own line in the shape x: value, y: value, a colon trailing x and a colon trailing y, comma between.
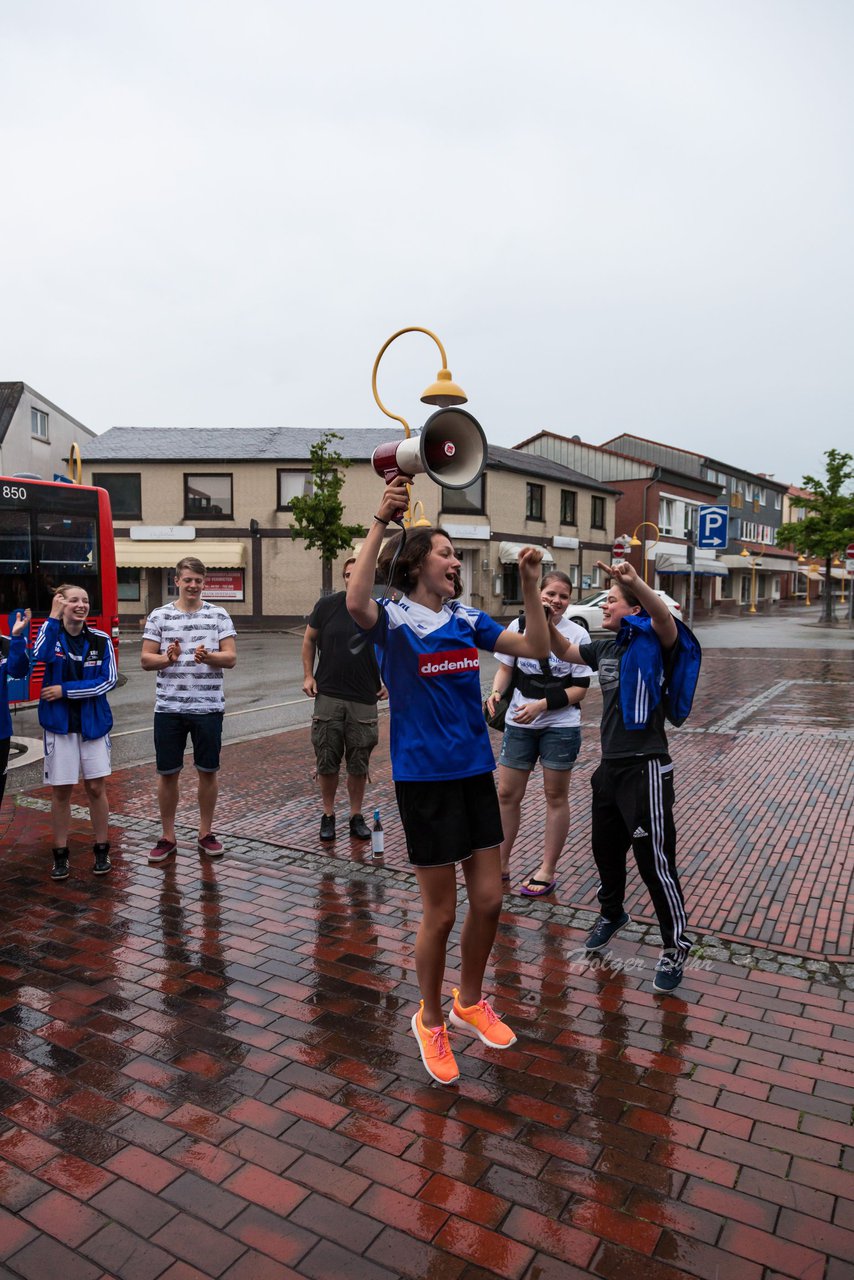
x: 543, y: 722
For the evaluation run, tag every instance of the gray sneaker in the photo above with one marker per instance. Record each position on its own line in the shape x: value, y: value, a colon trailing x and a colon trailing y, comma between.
x: 668, y: 973
x: 604, y: 930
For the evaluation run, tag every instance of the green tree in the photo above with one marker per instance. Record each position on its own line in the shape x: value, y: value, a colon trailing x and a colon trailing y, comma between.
x: 318, y: 517
x: 828, y: 526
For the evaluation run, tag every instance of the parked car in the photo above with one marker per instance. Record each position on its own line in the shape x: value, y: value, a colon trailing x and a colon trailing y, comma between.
x: 587, y: 612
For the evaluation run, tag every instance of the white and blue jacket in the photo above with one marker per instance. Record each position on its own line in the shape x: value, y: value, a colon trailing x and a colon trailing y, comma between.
x: 643, y: 681
x: 14, y: 663
x: 99, y: 676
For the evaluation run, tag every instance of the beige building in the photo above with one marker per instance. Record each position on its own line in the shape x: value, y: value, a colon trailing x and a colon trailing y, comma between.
x: 224, y: 496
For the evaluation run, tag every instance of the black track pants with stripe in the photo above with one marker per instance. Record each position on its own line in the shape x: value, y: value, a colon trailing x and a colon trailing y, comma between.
x: 633, y: 806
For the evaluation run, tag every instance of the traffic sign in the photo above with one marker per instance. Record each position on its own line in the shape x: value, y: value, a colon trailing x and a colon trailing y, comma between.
x: 713, y: 525
x: 849, y: 551
x: 618, y: 550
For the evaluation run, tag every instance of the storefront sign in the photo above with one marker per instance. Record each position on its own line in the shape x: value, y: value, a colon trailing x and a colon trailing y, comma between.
x: 224, y: 584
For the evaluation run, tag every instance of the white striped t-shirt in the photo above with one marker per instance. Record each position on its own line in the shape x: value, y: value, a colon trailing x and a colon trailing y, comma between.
x: 188, y: 686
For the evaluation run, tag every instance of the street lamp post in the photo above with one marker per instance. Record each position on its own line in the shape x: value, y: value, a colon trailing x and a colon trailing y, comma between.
x: 755, y: 563
x: 837, y: 564
x: 635, y: 541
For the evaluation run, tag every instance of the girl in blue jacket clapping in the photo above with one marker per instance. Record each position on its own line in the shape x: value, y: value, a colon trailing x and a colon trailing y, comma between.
x: 80, y: 669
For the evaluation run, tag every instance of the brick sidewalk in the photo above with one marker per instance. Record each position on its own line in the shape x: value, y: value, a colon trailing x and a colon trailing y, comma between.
x: 765, y: 804
x: 205, y: 1070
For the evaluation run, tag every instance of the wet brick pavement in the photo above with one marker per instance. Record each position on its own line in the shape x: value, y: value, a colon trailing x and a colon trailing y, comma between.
x: 205, y: 1069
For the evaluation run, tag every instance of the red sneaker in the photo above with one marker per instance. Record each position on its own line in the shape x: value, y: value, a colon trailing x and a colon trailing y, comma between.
x: 162, y: 850
x: 210, y: 846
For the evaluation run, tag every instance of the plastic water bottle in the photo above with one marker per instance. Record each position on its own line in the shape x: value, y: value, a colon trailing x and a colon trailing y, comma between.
x: 377, y: 837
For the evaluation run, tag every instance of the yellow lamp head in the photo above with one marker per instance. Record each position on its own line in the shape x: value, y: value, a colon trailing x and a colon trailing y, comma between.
x: 444, y: 392
x: 634, y: 541
x: 744, y: 553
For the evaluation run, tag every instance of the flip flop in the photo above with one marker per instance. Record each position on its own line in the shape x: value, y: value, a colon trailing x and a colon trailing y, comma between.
x: 546, y: 886
x: 505, y: 881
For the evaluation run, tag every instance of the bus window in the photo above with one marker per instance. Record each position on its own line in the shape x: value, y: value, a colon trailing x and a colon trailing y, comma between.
x: 15, y: 560
x: 66, y: 551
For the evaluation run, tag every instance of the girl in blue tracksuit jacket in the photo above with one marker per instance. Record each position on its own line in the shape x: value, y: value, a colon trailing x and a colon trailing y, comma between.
x: 648, y: 668
x: 14, y: 663
x: 80, y: 669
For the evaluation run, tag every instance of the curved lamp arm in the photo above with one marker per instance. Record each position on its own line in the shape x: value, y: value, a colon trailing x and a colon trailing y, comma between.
x: 413, y: 328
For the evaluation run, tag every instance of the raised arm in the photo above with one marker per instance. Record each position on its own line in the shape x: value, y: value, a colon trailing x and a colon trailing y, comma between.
x: 535, y: 642
x: 361, y: 606
x: 626, y: 575
x: 563, y: 648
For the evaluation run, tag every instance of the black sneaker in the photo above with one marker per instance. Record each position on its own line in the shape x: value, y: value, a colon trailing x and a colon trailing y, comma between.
x: 604, y: 930
x: 359, y: 829
x: 668, y: 973
x: 327, y: 826
x: 102, y: 859
x: 59, y: 871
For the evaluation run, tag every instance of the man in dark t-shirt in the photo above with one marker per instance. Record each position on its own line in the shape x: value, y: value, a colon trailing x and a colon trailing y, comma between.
x: 345, y: 686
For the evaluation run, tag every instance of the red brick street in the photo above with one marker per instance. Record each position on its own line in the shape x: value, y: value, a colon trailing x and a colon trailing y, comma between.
x: 206, y: 1069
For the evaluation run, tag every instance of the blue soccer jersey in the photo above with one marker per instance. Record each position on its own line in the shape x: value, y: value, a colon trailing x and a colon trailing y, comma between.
x: 431, y: 668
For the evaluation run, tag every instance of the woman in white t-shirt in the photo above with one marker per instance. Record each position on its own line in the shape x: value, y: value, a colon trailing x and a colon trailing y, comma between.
x: 543, y: 723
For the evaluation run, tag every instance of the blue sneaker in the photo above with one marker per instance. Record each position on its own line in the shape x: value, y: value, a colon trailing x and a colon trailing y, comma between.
x: 668, y: 973
x: 604, y: 930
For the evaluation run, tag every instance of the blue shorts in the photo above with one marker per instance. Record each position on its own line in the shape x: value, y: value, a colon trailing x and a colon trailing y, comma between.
x: 556, y: 747
x: 170, y: 740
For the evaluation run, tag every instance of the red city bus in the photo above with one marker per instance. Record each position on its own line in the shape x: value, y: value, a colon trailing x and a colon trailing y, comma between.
x: 53, y: 532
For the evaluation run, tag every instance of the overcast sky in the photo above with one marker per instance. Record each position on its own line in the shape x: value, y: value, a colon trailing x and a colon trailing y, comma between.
x: 617, y: 216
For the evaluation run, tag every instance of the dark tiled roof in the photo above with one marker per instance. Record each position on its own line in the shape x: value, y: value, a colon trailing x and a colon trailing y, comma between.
x: 286, y: 444
x: 10, y: 398
x: 532, y: 464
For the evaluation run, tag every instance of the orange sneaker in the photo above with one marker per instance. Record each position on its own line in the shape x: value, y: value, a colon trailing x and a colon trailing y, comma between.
x: 482, y: 1019
x: 435, y: 1050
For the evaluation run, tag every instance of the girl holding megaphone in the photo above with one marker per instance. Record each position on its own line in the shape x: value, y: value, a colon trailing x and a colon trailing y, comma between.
x: 442, y: 762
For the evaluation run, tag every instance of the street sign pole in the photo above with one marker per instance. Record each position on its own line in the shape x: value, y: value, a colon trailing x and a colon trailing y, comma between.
x: 690, y: 552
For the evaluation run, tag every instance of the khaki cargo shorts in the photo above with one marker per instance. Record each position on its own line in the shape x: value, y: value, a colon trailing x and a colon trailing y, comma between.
x: 340, y: 729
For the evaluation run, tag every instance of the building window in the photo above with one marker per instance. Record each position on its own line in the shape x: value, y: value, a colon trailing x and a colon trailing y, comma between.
x: 568, y: 503
x: 666, y: 514
x: 128, y: 584
x: 208, y: 496
x: 293, y: 484
x: 573, y: 575
x: 778, y: 502
x: 760, y: 495
x: 125, y: 490
x: 38, y: 424
x: 534, y: 501
x: 597, y: 512
x: 468, y: 501
x: 511, y: 591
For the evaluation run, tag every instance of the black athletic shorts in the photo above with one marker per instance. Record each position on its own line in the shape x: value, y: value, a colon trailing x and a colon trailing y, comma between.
x: 446, y: 822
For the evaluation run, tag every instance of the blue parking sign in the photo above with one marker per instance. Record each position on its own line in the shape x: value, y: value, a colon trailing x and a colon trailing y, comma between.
x: 712, y: 527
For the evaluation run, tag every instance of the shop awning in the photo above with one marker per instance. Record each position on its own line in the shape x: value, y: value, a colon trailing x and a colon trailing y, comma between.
x: 702, y: 569
x: 214, y: 553
x: 508, y: 552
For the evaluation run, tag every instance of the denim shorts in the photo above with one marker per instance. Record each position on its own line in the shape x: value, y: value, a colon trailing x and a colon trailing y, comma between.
x: 170, y: 740
x: 557, y: 748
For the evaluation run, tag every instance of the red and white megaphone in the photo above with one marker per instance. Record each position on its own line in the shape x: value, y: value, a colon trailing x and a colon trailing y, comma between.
x: 450, y: 448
